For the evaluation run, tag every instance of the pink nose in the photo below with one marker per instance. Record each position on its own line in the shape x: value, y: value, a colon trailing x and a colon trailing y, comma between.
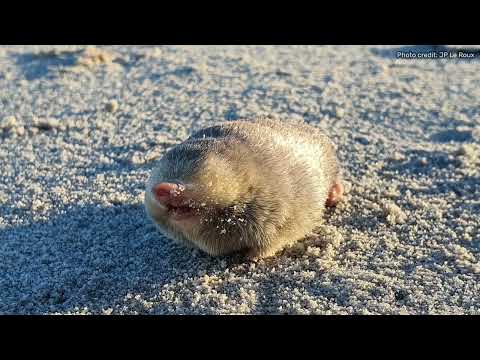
x: 169, y: 193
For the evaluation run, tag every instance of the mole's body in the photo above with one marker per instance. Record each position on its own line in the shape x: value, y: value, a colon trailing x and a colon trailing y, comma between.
x: 245, y: 185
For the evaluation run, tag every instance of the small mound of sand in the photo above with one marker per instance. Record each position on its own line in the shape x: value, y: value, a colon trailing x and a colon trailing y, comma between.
x: 8, y: 122
x: 393, y: 213
x: 9, y: 126
x: 92, y: 56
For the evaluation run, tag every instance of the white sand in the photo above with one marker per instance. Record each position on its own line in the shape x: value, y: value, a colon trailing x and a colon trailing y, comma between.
x: 81, y: 129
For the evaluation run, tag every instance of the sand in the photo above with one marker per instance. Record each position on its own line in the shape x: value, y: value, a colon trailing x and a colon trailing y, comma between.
x: 81, y: 128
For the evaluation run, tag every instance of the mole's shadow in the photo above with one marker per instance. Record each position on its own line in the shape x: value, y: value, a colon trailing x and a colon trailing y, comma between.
x: 94, y: 256
x: 87, y: 257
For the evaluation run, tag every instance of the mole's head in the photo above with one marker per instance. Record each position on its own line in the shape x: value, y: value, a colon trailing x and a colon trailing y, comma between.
x: 203, y: 193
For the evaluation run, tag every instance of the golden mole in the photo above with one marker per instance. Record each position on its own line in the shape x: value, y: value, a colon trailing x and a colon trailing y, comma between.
x: 246, y: 185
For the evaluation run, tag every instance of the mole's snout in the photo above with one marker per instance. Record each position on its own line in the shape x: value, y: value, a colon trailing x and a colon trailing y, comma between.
x: 173, y: 197
x: 169, y: 194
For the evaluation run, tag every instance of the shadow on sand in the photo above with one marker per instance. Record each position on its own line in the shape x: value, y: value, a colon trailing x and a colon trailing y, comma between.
x: 87, y: 257
x: 93, y: 257
x: 36, y: 66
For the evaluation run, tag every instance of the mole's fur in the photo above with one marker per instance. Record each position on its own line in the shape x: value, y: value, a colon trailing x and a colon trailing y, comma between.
x: 253, y: 185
